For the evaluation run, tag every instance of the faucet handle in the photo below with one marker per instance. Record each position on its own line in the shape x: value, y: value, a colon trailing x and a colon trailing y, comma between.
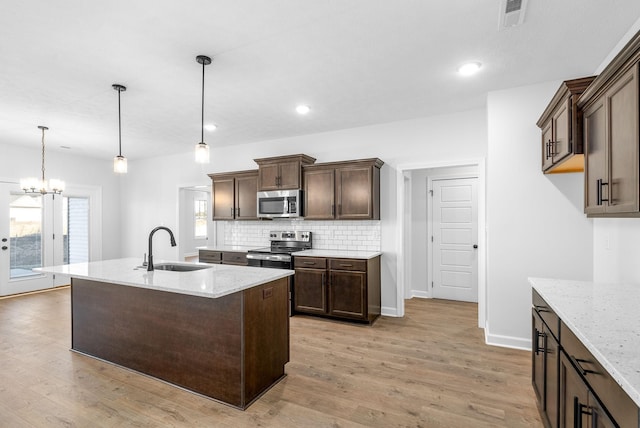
x: 144, y: 262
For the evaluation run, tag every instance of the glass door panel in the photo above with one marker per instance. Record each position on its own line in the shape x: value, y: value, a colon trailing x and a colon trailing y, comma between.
x: 25, y: 231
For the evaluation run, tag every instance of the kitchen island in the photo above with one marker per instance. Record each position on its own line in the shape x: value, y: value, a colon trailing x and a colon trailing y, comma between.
x: 222, y: 331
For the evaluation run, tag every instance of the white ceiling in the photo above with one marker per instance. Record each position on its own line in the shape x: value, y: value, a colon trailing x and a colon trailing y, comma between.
x: 355, y: 62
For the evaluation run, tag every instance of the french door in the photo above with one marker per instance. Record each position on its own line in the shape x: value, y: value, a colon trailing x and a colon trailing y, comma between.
x: 39, y: 230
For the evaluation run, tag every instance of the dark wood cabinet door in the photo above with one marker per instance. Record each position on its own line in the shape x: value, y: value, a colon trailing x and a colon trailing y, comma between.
x: 319, y: 194
x: 574, y: 396
x: 289, y: 177
x: 595, y: 159
x: 622, y: 115
x: 599, y: 417
x: 547, y: 144
x: 560, y: 148
x: 347, y: 294
x: 246, y: 197
x: 268, y: 177
x: 354, y: 193
x: 223, y: 199
x: 552, y: 357
x: 537, y: 357
x: 310, y: 291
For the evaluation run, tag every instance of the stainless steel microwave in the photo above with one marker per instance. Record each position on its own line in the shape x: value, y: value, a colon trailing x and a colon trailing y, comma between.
x: 280, y: 203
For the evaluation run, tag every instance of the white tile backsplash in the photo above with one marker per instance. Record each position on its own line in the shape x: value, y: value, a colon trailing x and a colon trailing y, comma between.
x: 327, y: 235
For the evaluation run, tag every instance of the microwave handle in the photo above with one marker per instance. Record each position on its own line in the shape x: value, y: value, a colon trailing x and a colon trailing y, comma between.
x: 286, y: 205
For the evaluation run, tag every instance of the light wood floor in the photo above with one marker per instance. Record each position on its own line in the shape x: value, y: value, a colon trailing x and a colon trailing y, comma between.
x: 428, y: 369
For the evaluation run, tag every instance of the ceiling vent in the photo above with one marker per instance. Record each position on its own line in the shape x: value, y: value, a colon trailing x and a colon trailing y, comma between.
x: 512, y: 13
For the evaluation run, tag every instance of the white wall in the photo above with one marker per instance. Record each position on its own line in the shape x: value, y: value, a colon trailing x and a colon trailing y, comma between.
x: 150, y: 193
x: 77, y: 171
x: 535, y: 222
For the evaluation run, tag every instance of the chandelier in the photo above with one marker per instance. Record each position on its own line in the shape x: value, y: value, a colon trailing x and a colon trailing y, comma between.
x: 42, y: 186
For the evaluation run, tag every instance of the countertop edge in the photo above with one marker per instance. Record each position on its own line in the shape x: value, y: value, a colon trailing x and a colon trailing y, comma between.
x: 630, y: 389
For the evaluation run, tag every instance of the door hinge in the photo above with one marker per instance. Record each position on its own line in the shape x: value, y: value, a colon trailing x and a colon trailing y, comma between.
x: 431, y: 284
x: 431, y: 238
x: 431, y: 192
x: 54, y: 236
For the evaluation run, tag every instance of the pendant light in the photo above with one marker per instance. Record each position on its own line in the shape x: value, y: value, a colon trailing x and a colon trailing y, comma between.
x: 42, y: 186
x: 202, y: 150
x: 119, y: 162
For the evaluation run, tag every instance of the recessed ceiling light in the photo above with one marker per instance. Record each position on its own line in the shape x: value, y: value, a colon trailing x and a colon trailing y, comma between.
x: 303, y: 109
x: 210, y: 127
x: 469, y: 68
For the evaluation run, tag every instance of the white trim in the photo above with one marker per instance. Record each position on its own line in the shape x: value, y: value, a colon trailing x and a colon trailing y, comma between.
x: 506, y: 341
x: 480, y: 163
x: 420, y: 294
x: 389, y: 311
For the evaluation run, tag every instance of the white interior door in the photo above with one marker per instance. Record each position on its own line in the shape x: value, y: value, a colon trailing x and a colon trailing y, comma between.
x: 25, y: 242
x: 455, y: 237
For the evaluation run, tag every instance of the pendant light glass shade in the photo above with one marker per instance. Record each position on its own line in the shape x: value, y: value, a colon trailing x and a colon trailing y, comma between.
x: 119, y: 162
x: 120, y: 165
x: 202, y: 150
x: 41, y: 185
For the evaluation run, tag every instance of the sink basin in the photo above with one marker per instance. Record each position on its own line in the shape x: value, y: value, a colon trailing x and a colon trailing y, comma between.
x: 175, y: 267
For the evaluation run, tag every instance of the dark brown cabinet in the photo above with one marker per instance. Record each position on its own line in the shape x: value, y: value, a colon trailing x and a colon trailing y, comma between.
x: 348, y: 190
x: 338, y: 288
x: 572, y: 387
x: 561, y: 125
x: 611, y: 134
x: 282, y: 172
x: 238, y: 258
x: 234, y: 195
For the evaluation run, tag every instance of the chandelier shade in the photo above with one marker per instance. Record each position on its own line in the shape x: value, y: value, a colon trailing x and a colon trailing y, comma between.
x: 42, y: 185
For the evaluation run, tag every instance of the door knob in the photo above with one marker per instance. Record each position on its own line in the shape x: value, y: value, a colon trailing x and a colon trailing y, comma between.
x: 4, y: 247
x: 475, y: 245
x: 4, y: 239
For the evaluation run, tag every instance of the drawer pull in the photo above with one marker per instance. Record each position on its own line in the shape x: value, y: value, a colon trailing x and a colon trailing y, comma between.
x: 538, y: 335
x: 346, y: 265
x: 576, y: 362
x: 309, y: 263
x: 541, y: 308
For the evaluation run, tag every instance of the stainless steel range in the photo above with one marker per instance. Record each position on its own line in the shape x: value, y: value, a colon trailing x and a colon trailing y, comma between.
x: 283, y: 244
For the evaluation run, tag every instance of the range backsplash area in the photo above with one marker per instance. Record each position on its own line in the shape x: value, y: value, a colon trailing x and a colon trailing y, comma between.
x: 327, y: 235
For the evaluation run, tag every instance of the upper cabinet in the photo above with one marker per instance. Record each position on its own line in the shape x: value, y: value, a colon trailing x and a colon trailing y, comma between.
x: 561, y: 125
x: 282, y: 172
x: 611, y: 125
x: 348, y: 190
x: 234, y: 195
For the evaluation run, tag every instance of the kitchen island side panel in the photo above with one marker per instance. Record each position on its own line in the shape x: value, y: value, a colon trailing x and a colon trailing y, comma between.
x: 190, y: 341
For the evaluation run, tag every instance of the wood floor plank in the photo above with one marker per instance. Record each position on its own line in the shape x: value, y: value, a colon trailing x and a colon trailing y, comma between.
x: 430, y: 368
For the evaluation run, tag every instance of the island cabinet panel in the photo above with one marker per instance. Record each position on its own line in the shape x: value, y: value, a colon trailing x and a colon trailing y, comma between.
x: 230, y: 348
x: 234, y: 195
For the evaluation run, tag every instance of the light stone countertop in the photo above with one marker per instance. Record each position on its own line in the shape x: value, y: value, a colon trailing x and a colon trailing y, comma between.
x: 606, y: 318
x: 340, y: 254
x: 215, y: 281
x: 236, y: 248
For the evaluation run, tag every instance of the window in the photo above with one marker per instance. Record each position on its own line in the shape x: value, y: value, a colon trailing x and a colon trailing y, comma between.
x: 200, y: 218
x: 25, y: 230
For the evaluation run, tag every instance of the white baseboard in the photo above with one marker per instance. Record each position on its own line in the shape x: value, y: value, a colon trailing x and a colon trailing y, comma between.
x: 420, y: 294
x: 389, y: 311
x: 506, y: 341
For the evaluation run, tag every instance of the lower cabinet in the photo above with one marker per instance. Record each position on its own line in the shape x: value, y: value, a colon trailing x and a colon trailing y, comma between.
x: 572, y: 388
x: 337, y: 288
x: 223, y: 257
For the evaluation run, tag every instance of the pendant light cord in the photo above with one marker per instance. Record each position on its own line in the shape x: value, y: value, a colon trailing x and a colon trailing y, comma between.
x: 119, y: 126
x: 202, y: 109
x: 43, y: 128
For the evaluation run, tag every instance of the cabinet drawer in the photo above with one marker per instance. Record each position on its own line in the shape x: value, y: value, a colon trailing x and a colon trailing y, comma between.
x: 546, y: 313
x: 206, y: 256
x: 234, y: 258
x: 617, y: 402
x: 310, y: 262
x: 348, y: 264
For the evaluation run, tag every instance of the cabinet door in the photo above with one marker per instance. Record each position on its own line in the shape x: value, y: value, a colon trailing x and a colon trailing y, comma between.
x: 547, y: 142
x: 310, y: 291
x: 246, y: 197
x: 289, y: 177
x: 595, y: 158
x: 354, y: 193
x: 347, y: 294
x: 223, y: 199
x: 574, y: 396
x: 537, y: 355
x: 561, y: 146
x: 268, y: 177
x: 319, y: 194
x: 599, y: 417
x: 552, y: 387
x: 622, y: 118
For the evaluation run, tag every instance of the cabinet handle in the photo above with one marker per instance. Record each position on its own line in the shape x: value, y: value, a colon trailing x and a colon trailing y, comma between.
x: 231, y: 212
x: 576, y: 362
x: 548, y: 149
x: 346, y: 265
x: 538, y: 335
x: 333, y: 210
x: 237, y: 212
x: 599, y: 198
x: 309, y: 263
x: 579, y: 409
x: 539, y: 308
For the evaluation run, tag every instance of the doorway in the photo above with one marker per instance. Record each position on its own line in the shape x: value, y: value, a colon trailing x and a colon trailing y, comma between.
x: 195, y: 225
